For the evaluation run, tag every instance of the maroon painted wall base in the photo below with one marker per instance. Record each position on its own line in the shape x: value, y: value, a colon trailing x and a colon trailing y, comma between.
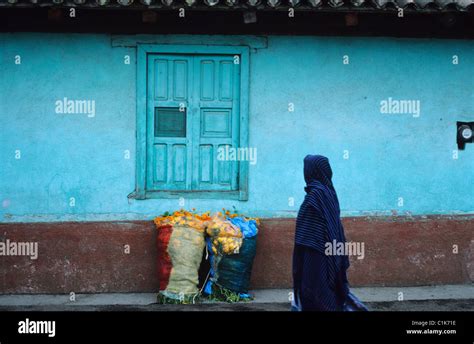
x: 90, y: 257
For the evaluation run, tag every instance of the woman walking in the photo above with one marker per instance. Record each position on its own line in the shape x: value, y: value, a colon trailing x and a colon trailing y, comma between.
x: 319, y: 280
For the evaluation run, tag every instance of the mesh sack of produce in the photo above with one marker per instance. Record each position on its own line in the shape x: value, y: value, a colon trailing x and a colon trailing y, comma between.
x: 230, y: 273
x: 225, y: 237
x: 180, y: 243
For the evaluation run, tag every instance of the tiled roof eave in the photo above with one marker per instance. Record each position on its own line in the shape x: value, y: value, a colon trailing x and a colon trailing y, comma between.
x: 309, y: 5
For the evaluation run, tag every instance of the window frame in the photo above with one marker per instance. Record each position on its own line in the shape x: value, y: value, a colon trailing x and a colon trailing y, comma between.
x: 143, y: 50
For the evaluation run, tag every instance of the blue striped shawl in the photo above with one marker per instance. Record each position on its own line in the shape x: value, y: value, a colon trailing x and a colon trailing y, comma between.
x: 318, y: 220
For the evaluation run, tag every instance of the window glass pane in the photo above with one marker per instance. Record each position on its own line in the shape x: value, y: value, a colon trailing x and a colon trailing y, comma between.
x: 170, y: 122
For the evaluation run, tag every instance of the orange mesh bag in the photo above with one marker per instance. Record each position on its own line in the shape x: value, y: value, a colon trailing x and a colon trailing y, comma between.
x: 225, y: 237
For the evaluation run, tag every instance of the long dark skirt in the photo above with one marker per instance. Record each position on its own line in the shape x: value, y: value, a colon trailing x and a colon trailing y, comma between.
x: 313, y: 289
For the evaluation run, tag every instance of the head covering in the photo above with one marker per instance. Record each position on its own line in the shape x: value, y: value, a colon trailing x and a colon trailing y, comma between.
x: 317, y: 169
x: 318, y: 220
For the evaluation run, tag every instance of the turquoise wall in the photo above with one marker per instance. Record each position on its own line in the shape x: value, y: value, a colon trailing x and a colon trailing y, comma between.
x: 336, y: 108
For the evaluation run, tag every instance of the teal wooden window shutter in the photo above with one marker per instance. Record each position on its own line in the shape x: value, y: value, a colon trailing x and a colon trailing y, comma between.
x: 215, y: 122
x: 169, y: 147
x: 195, y: 111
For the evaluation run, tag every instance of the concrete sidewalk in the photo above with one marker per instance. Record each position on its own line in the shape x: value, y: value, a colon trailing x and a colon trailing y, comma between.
x: 445, y: 297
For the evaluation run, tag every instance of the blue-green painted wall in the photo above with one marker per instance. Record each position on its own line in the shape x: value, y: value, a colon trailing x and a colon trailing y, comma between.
x: 336, y: 108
